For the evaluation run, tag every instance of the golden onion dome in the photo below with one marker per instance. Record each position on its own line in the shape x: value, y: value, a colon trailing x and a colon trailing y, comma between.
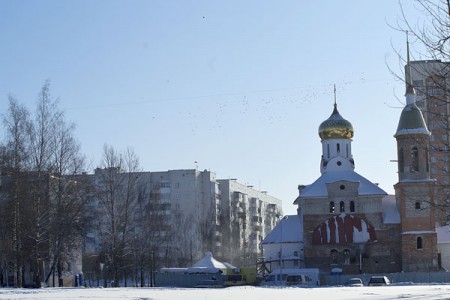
x: 335, y: 127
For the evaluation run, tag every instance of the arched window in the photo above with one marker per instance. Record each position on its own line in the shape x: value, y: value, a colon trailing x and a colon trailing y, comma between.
x: 331, y: 207
x: 414, y: 159
x: 338, y: 148
x: 352, y: 206
x: 346, y: 256
x: 401, y: 161
x: 328, y: 150
x: 334, y: 256
x: 419, y: 243
x: 346, y: 149
x: 342, y: 206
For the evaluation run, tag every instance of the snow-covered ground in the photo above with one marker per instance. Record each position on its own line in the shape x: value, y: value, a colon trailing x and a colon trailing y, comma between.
x: 246, y: 293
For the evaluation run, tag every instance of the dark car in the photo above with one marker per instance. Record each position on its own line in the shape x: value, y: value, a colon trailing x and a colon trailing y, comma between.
x: 378, y: 281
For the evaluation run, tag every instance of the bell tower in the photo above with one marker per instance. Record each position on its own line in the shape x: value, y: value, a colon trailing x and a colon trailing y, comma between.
x: 414, y: 191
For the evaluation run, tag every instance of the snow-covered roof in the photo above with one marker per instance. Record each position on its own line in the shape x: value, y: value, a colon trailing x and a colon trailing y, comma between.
x: 391, y: 214
x: 443, y: 235
x: 208, y: 261
x: 288, y: 230
x: 319, y: 188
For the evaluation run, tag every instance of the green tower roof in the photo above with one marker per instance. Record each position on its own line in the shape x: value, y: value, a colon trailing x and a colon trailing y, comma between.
x: 411, y: 121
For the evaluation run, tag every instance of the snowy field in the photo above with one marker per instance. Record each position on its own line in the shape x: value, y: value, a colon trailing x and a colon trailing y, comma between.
x: 237, y: 293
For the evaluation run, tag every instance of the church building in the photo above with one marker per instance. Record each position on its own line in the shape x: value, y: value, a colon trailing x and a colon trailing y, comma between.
x: 347, y: 224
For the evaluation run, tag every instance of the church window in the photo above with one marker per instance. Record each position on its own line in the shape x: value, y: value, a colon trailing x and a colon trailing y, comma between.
x: 346, y: 256
x: 334, y: 256
x: 427, y: 163
x: 417, y: 205
x: 342, y: 206
x: 400, y: 160
x: 328, y: 150
x: 331, y: 207
x: 419, y: 243
x: 295, y: 253
x: 346, y: 149
x: 352, y: 206
x: 415, y: 159
x: 338, y: 148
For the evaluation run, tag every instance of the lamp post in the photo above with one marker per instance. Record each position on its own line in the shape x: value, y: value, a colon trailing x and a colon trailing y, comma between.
x: 101, y: 273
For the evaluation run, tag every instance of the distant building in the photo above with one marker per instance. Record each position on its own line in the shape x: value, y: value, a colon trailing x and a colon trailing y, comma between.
x: 247, y: 215
x: 195, y: 213
x: 430, y: 79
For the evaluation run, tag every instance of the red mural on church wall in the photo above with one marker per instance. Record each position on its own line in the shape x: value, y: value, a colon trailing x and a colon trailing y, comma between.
x: 343, y: 229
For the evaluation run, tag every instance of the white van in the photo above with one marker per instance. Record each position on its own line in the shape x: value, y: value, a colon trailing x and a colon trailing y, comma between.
x: 287, y: 277
x: 298, y: 279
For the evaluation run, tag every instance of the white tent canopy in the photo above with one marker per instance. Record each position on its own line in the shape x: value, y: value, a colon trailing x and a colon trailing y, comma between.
x: 209, y: 265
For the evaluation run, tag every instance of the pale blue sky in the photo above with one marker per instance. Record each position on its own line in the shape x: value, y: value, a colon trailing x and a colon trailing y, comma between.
x: 239, y: 86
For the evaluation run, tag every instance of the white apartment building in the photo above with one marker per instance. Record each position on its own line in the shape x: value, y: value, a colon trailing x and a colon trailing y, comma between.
x: 431, y: 80
x: 187, y: 213
x: 248, y: 216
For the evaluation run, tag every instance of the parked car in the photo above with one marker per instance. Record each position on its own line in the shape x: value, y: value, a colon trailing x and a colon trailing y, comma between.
x: 379, y: 280
x: 354, y: 282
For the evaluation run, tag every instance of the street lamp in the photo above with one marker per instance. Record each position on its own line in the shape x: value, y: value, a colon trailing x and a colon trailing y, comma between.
x: 101, y: 273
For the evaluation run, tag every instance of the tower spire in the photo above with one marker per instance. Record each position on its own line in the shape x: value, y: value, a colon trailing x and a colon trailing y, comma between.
x: 410, y: 91
x: 334, y: 85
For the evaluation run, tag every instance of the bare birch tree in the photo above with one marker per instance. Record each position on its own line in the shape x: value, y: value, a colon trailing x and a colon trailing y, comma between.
x: 117, y: 197
x: 16, y: 160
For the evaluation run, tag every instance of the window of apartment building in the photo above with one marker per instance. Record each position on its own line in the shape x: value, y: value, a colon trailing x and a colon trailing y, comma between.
x: 334, y: 256
x: 419, y: 243
x: 165, y: 184
x: 332, y: 207
x: 352, y: 206
x: 342, y: 206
